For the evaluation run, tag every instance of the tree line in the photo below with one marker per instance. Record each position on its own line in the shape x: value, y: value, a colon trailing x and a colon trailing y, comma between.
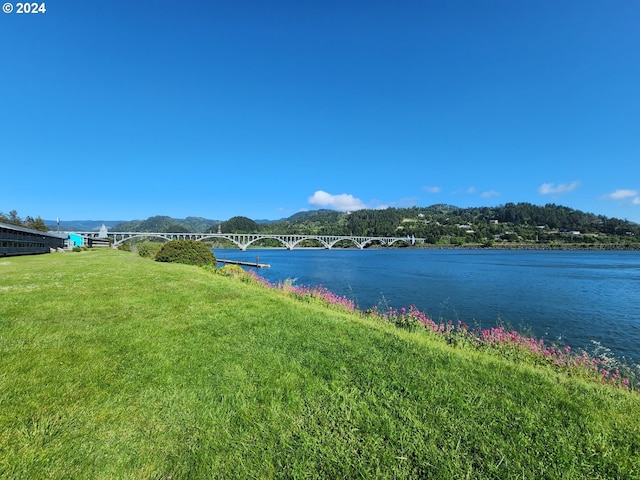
x: 12, y: 218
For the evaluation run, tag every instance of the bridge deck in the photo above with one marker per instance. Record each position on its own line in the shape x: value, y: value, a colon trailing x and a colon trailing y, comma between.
x: 244, y: 240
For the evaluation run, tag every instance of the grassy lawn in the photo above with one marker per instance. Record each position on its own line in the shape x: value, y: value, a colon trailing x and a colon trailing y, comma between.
x: 114, y: 366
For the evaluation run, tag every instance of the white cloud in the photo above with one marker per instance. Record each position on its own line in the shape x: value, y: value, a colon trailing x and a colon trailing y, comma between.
x: 343, y: 202
x: 489, y: 194
x: 621, y: 194
x: 636, y: 201
x: 553, y: 189
x: 432, y: 189
x: 467, y: 191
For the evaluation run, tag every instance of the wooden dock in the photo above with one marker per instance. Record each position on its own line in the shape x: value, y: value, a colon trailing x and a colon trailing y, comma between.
x: 256, y: 264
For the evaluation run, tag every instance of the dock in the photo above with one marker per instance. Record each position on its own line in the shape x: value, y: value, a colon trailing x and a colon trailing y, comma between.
x: 256, y: 264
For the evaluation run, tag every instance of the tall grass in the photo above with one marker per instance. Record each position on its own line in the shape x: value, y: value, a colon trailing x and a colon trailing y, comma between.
x: 114, y: 366
x: 600, y: 366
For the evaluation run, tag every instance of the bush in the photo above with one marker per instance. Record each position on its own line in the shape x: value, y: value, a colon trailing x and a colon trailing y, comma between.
x: 234, y: 271
x: 188, y: 252
x: 149, y: 249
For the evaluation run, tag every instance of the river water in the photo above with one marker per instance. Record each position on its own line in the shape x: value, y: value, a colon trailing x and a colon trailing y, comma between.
x: 585, y: 299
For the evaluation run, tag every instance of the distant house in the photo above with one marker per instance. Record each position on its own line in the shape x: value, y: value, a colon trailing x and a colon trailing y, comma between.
x: 93, y: 242
x: 75, y: 240
x: 493, y: 222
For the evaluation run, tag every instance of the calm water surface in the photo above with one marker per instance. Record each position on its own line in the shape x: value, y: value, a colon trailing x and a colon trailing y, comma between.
x: 569, y: 297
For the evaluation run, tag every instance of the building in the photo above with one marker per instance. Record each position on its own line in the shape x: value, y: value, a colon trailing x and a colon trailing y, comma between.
x: 75, y: 240
x: 16, y: 240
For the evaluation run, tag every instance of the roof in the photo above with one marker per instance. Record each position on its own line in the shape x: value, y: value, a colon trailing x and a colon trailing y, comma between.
x: 18, y: 228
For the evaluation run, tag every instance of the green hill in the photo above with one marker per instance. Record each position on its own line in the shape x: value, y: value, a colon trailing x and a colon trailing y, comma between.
x: 505, y: 225
x: 114, y: 366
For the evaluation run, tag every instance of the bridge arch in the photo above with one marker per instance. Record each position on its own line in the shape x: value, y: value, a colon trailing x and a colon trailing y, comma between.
x: 388, y: 241
x: 310, y: 237
x: 407, y: 241
x: 353, y: 240
x: 263, y: 237
x: 241, y: 246
x: 125, y: 237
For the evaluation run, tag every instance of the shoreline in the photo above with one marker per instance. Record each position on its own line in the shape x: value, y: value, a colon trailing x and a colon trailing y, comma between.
x: 568, y: 247
x: 612, y: 247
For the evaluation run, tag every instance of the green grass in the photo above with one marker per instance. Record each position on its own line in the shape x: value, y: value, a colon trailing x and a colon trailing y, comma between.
x: 114, y: 366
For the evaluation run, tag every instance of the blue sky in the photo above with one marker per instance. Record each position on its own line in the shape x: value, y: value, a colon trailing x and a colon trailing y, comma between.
x: 125, y: 110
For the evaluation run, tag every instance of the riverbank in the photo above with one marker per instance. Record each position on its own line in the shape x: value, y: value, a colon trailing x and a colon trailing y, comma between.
x: 115, y: 366
x: 535, y: 246
x: 585, y: 299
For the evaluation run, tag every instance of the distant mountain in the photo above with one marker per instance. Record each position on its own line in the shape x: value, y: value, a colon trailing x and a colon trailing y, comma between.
x: 199, y: 224
x: 162, y: 223
x: 322, y: 214
x: 264, y: 221
x: 80, y: 225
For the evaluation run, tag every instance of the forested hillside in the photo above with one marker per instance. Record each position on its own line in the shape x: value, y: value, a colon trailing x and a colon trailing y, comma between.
x: 166, y: 224
x: 438, y: 224
x: 446, y: 224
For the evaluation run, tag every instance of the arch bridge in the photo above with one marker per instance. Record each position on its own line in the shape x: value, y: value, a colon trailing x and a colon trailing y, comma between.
x: 244, y: 240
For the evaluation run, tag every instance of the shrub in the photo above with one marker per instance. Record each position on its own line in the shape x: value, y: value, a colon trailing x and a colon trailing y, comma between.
x: 234, y: 271
x: 189, y: 252
x: 148, y: 249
